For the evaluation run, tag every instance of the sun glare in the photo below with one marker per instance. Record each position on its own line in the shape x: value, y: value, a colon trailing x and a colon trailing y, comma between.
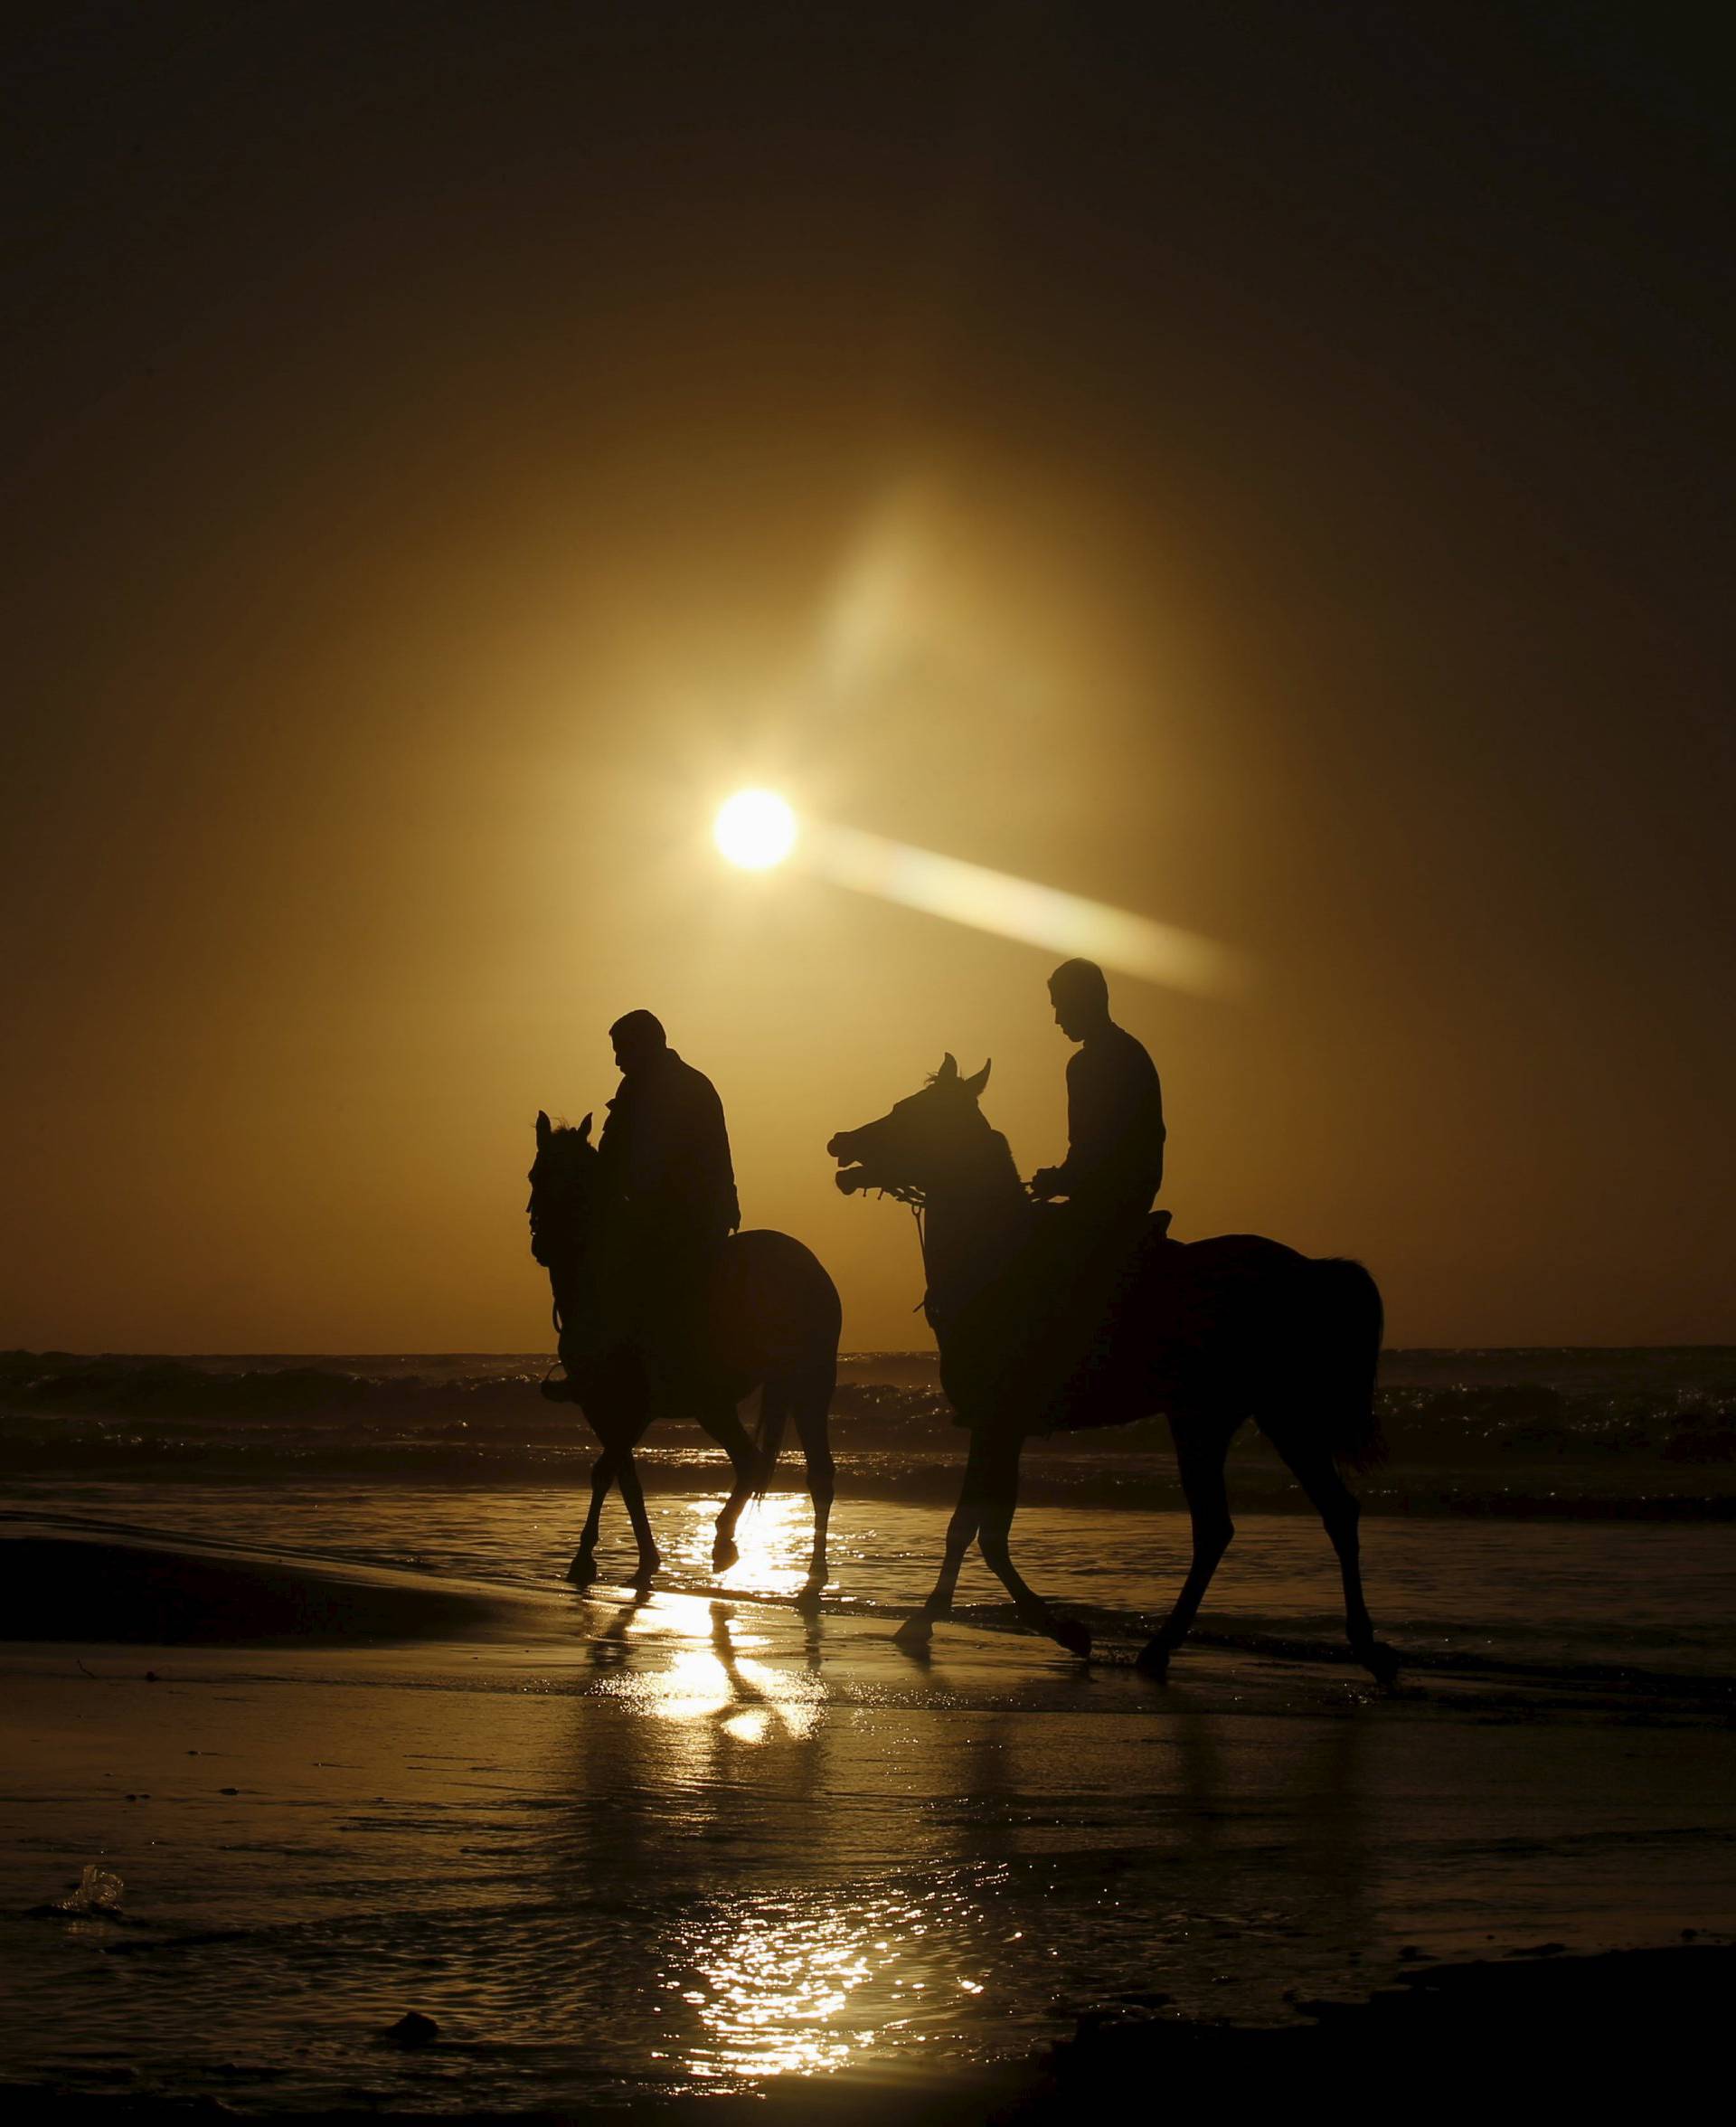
x: 755, y: 829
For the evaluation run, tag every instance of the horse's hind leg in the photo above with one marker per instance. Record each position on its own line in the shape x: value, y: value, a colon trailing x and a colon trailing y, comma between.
x: 1200, y: 1460
x: 917, y: 1629
x: 1315, y: 1470
x: 728, y: 1430
x: 1000, y: 1500
x: 813, y: 1431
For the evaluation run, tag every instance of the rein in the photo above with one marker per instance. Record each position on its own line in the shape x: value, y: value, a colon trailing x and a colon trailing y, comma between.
x: 917, y: 1202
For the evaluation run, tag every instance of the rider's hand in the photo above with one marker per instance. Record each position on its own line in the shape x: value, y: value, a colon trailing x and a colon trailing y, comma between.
x: 1044, y: 1184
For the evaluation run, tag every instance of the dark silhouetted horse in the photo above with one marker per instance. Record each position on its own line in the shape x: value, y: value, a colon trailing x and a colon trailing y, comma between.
x: 768, y: 1318
x: 1210, y: 1334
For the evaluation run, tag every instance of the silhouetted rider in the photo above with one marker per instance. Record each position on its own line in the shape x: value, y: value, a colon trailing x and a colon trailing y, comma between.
x: 669, y: 1185
x: 1088, y: 1248
x: 1114, y: 1165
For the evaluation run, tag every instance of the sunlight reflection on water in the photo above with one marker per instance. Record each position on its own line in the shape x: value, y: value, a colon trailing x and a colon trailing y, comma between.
x: 799, y: 1987
x: 714, y: 1682
x: 773, y: 1535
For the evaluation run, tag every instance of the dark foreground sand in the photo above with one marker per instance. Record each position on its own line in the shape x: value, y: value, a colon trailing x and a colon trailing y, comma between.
x: 1644, y: 2027
x: 336, y: 1793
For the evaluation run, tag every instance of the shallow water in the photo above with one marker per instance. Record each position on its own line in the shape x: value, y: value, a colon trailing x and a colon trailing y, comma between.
x: 703, y: 1839
x: 1557, y: 1594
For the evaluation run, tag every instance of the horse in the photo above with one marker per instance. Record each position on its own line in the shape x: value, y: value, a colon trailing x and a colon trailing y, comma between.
x: 769, y: 1317
x: 1209, y: 1333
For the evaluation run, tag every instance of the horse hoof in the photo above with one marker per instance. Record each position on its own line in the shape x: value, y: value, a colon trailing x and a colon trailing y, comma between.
x: 646, y: 1571
x: 807, y: 1599
x: 915, y: 1633
x: 1075, y: 1637
x: 725, y: 1553
x: 1381, y: 1662
x: 582, y: 1572
x: 1153, y: 1660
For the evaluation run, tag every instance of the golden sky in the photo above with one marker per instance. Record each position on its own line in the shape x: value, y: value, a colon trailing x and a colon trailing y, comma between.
x: 442, y: 467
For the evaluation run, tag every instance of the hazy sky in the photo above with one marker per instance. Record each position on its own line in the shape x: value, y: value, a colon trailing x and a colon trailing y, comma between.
x: 1252, y: 464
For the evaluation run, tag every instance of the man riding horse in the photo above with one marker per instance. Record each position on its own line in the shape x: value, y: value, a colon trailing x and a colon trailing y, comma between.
x: 1114, y: 1165
x: 669, y: 1199
x: 1091, y: 1244
x: 664, y: 1309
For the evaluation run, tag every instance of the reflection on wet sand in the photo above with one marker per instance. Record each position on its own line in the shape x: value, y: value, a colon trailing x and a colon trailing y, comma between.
x: 696, y: 1838
x: 837, y: 1878
x: 714, y: 1686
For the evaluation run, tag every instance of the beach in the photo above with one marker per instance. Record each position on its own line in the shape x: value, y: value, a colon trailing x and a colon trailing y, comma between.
x: 355, y: 1752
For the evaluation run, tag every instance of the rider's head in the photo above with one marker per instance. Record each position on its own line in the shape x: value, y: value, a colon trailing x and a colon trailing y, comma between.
x: 639, y: 1037
x: 1080, y: 997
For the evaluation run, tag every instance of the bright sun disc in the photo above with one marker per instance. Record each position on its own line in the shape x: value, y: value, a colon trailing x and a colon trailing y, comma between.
x: 755, y: 829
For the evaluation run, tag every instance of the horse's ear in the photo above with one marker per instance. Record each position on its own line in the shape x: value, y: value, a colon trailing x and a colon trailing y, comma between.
x: 541, y: 1127
x: 948, y: 1070
x: 584, y: 1132
x: 974, y: 1086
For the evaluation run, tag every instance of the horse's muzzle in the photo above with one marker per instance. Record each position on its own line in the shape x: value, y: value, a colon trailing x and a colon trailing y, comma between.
x: 843, y: 1149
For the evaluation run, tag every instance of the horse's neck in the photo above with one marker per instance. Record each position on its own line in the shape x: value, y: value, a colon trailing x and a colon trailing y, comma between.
x: 976, y: 1227
x: 569, y: 1285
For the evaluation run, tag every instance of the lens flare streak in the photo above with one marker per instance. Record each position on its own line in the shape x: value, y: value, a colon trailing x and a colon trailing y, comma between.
x: 1010, y: 907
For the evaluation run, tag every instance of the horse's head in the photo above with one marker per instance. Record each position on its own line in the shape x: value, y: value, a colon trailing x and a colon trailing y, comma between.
x: 563, y: 1188
x: 923, y: 1142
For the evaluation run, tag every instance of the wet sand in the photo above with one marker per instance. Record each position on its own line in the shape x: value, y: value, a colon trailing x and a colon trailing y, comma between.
x: 629, y: 1850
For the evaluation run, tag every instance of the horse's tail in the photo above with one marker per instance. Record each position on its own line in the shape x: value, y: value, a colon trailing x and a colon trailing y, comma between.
x: 1350, y: 1322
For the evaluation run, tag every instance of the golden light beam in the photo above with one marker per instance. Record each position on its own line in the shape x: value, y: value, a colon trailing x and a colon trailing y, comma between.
x: 1067, y: 924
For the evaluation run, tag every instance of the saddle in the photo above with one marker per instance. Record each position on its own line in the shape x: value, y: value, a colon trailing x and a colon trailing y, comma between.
x: 1052, y: 1352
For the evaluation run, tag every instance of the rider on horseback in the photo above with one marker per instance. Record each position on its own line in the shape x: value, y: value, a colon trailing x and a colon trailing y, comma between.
x: 1113, y: 1169
x: 1114, y: 1165
x: 669, y: 1200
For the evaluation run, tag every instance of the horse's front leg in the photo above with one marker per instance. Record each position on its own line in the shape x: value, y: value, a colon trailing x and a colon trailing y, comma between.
x: 1000, y: 1499
x: 914, y: 1634
x: 650, y: 1557
x: 582, y: 1572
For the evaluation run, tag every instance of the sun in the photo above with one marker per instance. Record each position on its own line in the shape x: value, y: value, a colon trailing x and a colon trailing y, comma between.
x: 755, y: 829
